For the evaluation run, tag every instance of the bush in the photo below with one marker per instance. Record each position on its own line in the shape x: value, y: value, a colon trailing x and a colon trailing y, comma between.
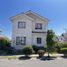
x: 36, y: 48
x: 64, y: 46
x: 4, y: 41
x: 5, y: 45
x: 64, y: 50
x: 41, y: 53
x: 58, y: 49
x: 27, y: 50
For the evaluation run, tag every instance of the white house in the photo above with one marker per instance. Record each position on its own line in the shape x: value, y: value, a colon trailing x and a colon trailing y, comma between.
x: 63, y: 38
x: 60, y: 39
x: 28, y: 28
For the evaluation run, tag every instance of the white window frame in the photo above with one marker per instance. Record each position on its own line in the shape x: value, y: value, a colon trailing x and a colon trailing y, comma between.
x: 20, y: 40
x: 21, y: 24
x: 38, y: 25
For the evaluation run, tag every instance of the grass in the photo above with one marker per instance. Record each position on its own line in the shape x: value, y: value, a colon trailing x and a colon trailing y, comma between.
x: 8, y: 57
x: 52, y: 52
x: 65, y: 48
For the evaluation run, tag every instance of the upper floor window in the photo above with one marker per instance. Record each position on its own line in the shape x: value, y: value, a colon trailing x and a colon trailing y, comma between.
x: 38, y: 26
x: 21, y: 24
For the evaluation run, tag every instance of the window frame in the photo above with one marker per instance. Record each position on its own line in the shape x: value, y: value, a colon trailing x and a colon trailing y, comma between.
x: 39, y: 40
x: 20, y: 41
x: 37, y: 25
x: 21, y: 24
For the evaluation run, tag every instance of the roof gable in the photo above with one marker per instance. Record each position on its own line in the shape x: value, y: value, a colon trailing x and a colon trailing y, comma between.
x: 35, y: 15
x: 31, y: 15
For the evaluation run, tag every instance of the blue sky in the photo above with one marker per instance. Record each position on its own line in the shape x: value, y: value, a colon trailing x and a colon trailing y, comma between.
x: 54, y: 10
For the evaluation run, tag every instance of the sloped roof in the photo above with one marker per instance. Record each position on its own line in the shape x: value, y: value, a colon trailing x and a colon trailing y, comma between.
x: 32, y: 15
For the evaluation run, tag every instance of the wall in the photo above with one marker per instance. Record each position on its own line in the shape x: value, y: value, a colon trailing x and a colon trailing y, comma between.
x: 21, y: 32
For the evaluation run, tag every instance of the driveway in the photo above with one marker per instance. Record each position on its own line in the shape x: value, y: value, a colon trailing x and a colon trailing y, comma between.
x: 59, y: 62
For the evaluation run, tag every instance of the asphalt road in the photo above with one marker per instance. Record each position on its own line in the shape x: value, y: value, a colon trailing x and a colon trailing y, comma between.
x: 59, y: 62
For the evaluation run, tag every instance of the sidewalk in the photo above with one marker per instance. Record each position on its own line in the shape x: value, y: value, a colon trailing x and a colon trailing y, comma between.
x: 33, y: 56
x: 36, y: 55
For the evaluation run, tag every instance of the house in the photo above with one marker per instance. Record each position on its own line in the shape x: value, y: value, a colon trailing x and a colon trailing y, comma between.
x: 28, y: 28
x: 63, y: 38
x: 60, y: 39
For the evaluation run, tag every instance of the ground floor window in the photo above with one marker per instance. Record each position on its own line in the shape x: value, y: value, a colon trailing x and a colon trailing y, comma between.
x: 20, y: 40
x: 39, y: 40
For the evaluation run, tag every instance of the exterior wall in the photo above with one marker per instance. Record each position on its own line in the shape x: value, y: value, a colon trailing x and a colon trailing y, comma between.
x: 34, y: 39
x: 65, y: 37
x: 21, y: 32
x: 61, y: 39
x: 42, y: 33
x: 44, y: 26
x: 27, y: 32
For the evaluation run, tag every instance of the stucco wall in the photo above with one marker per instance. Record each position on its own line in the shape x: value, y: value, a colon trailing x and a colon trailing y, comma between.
x: 27, y: 32
x: 34, y: 39
x: 21, y: 32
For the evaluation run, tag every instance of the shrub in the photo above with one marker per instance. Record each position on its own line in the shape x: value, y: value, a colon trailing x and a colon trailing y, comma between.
x: 58, y: 49
x: 4, y: 42
x: 64, y: 50
x: 5, y: 45
x: 36, y: 48
x: 27, y: 50
x: 41, y: 53
x: 64, y: 45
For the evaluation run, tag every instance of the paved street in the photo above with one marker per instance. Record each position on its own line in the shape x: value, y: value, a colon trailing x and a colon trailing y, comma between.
x: 59, y: 62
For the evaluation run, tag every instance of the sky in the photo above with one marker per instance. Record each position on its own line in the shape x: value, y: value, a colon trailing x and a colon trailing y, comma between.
x: 54, y: 10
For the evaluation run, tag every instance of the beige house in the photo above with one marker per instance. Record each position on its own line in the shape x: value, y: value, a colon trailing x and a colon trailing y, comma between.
x: 28, y: 28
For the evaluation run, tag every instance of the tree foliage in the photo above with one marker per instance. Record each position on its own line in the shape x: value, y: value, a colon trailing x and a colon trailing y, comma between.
x: 50, y: 40
x: 4, y: 42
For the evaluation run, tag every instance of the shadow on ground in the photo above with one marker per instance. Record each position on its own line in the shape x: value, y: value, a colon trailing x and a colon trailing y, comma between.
x: 65, y: 57
x: 24, y: 58
x: 44, y: 58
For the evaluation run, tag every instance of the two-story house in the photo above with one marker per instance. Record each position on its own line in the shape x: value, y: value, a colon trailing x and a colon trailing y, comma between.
x: 28, y: 28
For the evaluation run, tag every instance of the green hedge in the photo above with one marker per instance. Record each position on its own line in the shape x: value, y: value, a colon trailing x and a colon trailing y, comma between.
x: 36, y: 48
x: 27, y: 50
x: 64, y: 50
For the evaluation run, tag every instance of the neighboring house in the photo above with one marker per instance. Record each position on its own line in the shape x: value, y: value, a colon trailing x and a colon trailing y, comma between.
x: 63, y: 38
x: 60, y: 39
x: 28, y: 28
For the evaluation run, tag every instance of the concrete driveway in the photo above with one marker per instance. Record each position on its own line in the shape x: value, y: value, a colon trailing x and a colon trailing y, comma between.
x: 59, y: 62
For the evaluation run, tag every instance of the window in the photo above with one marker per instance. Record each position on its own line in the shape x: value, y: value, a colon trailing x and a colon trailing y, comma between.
x: 38, y: 26
x: 20, y: 40
x: 21, y: 25
x: 38, y: 40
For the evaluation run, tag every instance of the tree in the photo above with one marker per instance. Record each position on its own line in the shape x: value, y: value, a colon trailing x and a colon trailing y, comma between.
x: 4, y: 42
x: 50, y: 41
